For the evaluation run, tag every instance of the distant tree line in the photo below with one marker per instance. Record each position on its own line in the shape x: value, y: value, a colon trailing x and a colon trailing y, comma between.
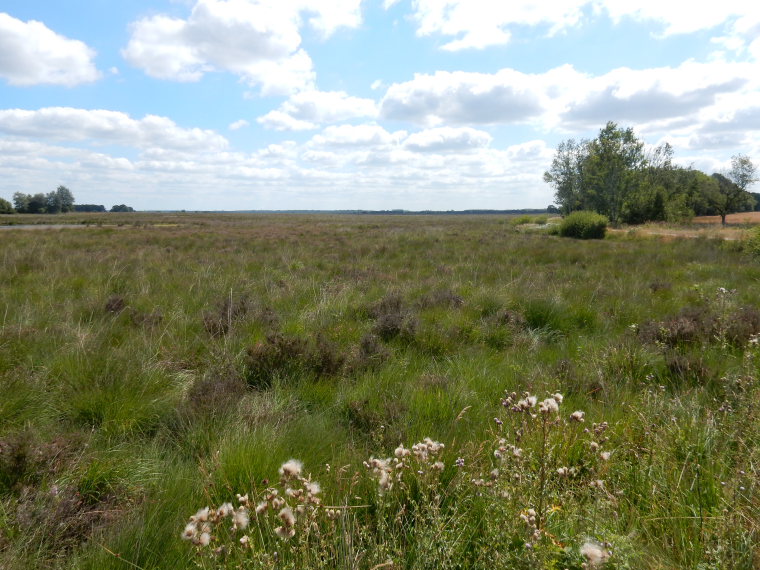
x: 614, y: 176
x: 59, y: 201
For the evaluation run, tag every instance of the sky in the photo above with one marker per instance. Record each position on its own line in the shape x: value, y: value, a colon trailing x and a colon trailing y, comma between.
x: 359, y: 104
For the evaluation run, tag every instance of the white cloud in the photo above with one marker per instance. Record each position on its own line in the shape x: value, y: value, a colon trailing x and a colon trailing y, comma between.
x: 308, y: 109
x: 477, y: 24
x: 239, y: 124
x: 259, y: 40
x: 650, y: 95
x: 356, y: 136
x: 106, y: 127
x: 33, y: 54
x: 460, y: 97
x: 566, y: 99
x: 482, y: 23
x: 448, y: 139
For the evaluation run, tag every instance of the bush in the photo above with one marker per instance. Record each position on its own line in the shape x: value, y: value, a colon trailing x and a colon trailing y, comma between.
x: 752, y: 245
x: 6, y: 207
x: 584, y: 225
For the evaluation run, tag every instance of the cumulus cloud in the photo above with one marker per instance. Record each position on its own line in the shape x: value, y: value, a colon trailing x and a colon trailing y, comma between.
x: 649, y: 95
x: 564, y: 98
x: 482, y: 23
x: 448, y: 139
x: 460, y: 97
x: 33, y: 54
x: 106, y: 127
x: 259, y: 40
x: 477, y: 24
x: 356, y: 136
x: 309, y: 109
x: 239, y: 124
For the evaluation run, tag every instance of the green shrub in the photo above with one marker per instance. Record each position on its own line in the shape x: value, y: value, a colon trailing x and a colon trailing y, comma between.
x: 584, y: 225
x: 752, y: 245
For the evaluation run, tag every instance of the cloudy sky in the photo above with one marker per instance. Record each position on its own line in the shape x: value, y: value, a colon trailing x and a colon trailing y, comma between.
x: 346, y: 104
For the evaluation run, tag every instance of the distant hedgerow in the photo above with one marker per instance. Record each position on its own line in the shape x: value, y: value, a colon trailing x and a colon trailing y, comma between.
x: 584, y: 225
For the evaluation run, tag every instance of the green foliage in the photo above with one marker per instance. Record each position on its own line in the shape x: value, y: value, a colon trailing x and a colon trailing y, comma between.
x: 583, y: 225
x: 121, y: 208
x: 613, y: 176
x: 58, y: 201
x: 6, y: 207
x: 153, y: 370
x: 752, y: 244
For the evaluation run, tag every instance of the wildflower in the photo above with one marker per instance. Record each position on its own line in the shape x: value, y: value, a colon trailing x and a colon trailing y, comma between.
x: 244, y: 540
x: 563, y: 471
x: 494, y: 474
x: 594, y: 446
x: 438, y: 466
x: 332, y: 514
x: 548, y: 406
x: 190, y: 532
x: 577, y: 416
x: 558, y: 397
x: 225, y: 510
x: 240, y: 518
x: 460, y: 462
x: 291, y: 469
x: 285, y: 533
x: 594, y: 554
x: 242, y: 499
x: 261, y: 507
x: 201, y: 515
x: 287, y: 517
x: 605, y: 455
x: 498, y: 421
x: 402, y: 451
x: 204, y: 539
x: 312, y: 487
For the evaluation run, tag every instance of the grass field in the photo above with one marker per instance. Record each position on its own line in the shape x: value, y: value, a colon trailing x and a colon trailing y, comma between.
x: 586, y: 402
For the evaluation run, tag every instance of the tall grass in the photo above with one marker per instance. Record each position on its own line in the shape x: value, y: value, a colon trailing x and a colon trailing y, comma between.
x: 169, y: 363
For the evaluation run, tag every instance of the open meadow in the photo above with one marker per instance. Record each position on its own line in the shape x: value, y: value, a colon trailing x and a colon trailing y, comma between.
x: 375, y: 392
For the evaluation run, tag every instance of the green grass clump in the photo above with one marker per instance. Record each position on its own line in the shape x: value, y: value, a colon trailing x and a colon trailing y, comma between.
x: 583, y: 225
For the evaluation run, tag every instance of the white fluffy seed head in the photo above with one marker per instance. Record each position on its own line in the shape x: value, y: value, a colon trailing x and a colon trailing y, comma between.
x: 291, y: 469
x: 287, y: 517
x: 577, y: 416
x: 548, y: 406
x: 594, y: 554
x: 190, y: 532
x: 240, y: 518
x: 285, y: 532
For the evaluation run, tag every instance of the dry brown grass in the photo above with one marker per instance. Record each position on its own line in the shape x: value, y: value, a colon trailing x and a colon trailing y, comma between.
x: 740, y: 218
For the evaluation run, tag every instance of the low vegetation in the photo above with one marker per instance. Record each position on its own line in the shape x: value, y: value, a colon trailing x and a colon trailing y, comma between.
x: 583, y: 225
x: 265, y: 391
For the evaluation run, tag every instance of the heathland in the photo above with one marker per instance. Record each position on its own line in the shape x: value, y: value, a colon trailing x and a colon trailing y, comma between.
x: 376, y: 392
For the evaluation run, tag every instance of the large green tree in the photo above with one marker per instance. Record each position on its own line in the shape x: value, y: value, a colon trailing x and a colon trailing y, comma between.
x: 6, y: 207
x: 600, y: 174
x: 21, y: 202
x: 566, y: 175
x: 612, y: 170
x: 727, y: 197
x: 60, y: 200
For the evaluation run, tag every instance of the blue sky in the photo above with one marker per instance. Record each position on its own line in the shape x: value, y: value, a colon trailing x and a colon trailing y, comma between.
x: 346, y: 104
